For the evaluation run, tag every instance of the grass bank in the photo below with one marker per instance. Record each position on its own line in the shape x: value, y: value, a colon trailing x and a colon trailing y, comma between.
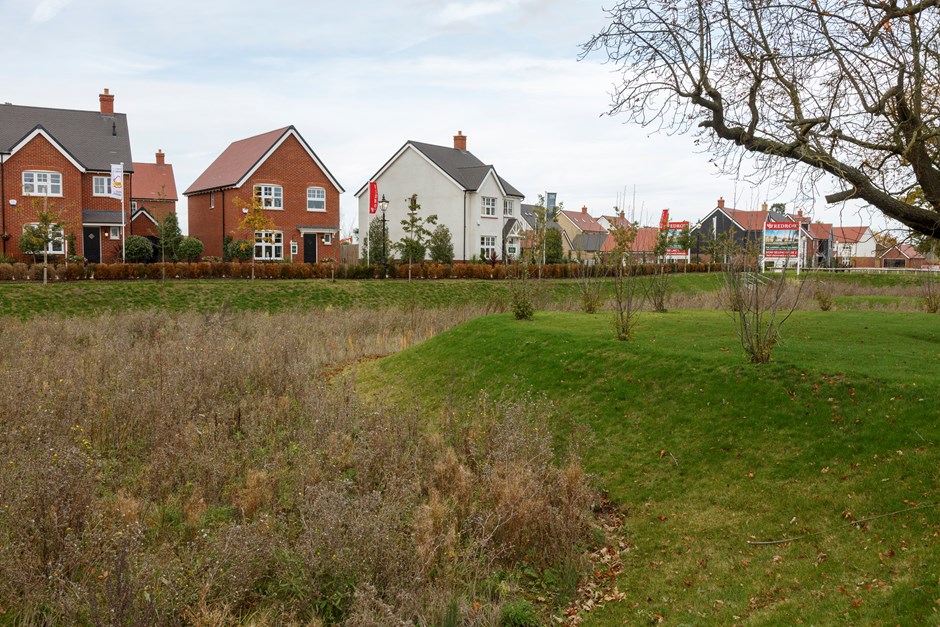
x: 707, y: 453
x: 26, y: 300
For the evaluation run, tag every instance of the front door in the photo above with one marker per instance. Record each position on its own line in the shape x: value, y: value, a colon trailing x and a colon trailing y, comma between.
x: 310, y: 247
x: 91, y: 243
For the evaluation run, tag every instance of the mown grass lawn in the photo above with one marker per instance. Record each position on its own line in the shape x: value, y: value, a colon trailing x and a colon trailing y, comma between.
x: 706, y: 452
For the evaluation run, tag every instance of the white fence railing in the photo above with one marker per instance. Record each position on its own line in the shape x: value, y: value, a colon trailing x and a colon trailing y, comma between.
x: 924, y: 270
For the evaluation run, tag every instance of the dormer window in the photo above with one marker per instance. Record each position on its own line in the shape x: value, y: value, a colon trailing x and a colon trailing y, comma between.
x: 270, y: 196
x: 38, y: 183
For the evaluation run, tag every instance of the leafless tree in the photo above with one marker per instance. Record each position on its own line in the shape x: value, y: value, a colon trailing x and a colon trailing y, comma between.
x: 847, y: 88
x: 759, y: 304
x: 626, y: 297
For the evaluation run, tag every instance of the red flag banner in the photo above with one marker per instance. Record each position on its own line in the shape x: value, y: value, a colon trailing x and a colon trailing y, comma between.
x: 664, y: 220
x: 373, y: 197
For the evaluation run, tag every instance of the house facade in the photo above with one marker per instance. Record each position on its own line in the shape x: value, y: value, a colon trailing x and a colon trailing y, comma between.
x: 61, y: 159
x: 855, y: 246
x: 903, y: 256
x: 478, y: 206
x: 746, y: 228
x: 154, y: 195
x: 296, y: 190
x: 582, y: 235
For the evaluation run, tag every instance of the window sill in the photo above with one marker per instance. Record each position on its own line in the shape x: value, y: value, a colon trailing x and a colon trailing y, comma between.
x: 316, y: 210
x: 101, y: 195
x: 490, y: 217
x: 35, y: 195
x: 273, y: 208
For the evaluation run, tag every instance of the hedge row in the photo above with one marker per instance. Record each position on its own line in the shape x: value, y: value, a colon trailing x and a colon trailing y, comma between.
x: 227, y: 270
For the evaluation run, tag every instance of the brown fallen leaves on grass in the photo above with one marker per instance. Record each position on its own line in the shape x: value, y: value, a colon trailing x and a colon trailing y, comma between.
x: 606, y: 564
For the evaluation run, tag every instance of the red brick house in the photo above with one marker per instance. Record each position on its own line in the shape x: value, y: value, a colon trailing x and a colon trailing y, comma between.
x: 154, y: 195
x: 903, y: 256
x: 62, y: 159
x: 298, y: 192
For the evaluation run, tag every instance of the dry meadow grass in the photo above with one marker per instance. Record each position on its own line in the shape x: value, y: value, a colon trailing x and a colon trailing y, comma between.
x: 210, y: 469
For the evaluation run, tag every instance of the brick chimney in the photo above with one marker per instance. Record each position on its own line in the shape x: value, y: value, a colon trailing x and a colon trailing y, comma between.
x: 799, y: 213
x: 160, y: 157
x: 584, y: 209
x: 721, y: 202
x: 763, y: 207
x: 107, y: 102
x: 460, y: 141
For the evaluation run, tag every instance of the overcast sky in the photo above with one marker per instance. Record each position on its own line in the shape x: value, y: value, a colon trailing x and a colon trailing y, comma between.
x: 358, y: 79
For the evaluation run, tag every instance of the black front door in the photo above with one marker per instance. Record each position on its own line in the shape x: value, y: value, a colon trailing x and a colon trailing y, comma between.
x: 310, y: 247
x: 91, y: 243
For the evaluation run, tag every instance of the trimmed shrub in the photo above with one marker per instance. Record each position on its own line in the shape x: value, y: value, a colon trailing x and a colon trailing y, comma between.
x: 240, y: 250
x: 137, y: 249
x: 189, y: 249
x: 6, y: 272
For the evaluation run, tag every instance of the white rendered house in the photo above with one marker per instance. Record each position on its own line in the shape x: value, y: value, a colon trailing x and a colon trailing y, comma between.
x: 481, y: 209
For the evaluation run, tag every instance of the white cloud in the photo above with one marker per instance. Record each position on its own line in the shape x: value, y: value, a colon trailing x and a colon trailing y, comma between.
x: 48, y: 9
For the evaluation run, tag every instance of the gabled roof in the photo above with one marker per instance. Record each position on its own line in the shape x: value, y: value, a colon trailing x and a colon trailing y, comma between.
x: 461, y: 166
x: 528, y: 217
x: 243, y: 157
x: 852, y: 234
x: 584, y: 221
x: 749, y: 220
x: 92, y: 139
x: 143, y: 211
x: 511, y: 227
x: 906, y: 250
x: 820, y: 230
x: 153, y: 181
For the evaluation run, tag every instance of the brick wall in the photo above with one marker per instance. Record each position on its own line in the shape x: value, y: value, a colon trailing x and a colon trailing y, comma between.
x: 77, y: 194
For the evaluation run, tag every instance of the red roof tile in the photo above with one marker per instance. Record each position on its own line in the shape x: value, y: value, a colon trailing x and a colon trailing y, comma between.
x: 909, y: 251
x: 235, y: 161
x: 644, y: 242
x: 153, y: 182
x: 584, y: 221
x: 750, y: 220
x: 820, y: 230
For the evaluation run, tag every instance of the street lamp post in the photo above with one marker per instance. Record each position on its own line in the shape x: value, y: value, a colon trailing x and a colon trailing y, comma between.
x: 383, y: 205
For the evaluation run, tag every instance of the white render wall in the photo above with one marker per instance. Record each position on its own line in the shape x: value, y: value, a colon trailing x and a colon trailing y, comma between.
x: 438, y: 195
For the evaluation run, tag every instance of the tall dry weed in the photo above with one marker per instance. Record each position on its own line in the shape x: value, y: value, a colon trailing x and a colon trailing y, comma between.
x: 211, y: 469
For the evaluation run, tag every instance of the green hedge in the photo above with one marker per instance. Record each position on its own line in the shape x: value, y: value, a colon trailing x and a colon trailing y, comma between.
x: 235, y: 270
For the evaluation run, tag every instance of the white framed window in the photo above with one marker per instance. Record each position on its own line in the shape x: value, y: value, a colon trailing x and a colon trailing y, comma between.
x: 115, y: 232
x: 38, y: 183
x: 271, y: 196
x: 316, y: 199
x: 487, y: 246
x: 294, y: 248
x: 269, y: 245
x: 508, y: 206
x: 488, y: 206
x: 133, y: 206
x: 56, y: 246
x: 101, y: 186
x: 327, y: 238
